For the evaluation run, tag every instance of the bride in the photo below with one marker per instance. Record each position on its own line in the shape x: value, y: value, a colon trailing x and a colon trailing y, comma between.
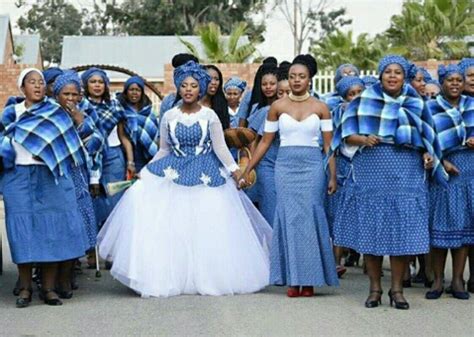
x: 183, y: 227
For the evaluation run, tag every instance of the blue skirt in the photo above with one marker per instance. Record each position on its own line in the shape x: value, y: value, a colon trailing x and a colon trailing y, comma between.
x: 301, y: 252
x: 343, y: 172
x: 384, y: 208
x: 452, y: 208
x: 42, y: 218
x: 113, y: 169
x: 266, y: 193
x: 84, y: 202
x: 140, y: 156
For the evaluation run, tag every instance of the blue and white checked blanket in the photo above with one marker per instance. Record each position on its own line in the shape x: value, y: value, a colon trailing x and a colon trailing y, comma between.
x: 404, y: 119
x: 454, y: 125
x: 46, y: 131
x: 147, y: 129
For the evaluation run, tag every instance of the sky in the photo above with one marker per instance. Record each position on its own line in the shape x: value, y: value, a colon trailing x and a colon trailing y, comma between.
x: 369, y: 16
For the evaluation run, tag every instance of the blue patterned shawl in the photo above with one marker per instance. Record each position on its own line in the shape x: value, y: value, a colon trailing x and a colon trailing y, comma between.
x: 404, y: 120
x: 46, y: 131
x: 146, y: 129
x: 454, y: 125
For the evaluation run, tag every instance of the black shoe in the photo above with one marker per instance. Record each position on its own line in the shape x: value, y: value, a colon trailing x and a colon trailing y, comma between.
x: 460, y: 295
x: 434, y: 294
x: 108, y: 265
x: 419, y: 279
x: 406, y: 283
x: 374, y: 303
x: 49, y: 301
x: 352, y: 260
x: 23, y: 302
x: 64, y: 294
x: 398, y: 305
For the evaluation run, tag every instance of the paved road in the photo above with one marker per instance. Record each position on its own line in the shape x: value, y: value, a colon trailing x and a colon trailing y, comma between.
x: 103, y: 306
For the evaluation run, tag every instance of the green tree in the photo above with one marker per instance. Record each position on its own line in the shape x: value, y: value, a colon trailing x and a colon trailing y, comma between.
x: 432, y: 29
x: 183, y: 17
x: 218, y: 49
x: 52, y: 19
x: 339, y: 47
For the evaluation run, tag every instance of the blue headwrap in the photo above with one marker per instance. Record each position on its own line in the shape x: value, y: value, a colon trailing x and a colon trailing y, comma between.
x: 235, y: 83
x: 435, y: 82
x: 347, y: 82
x: 414, y: 70
x: 369, y: 80
x: 68, y: 77
x: 445, y: 71
x: 393, y: 59
x: 339, y: 75
x: 134, y: 80
x: 194, y: 70
x: 94, y: 71
x: 51, y: 74
x: 465, y: 64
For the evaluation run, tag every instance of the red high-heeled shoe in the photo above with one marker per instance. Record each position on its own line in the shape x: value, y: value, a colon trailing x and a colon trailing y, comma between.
x: 307, y: 292
x: 293, y: 292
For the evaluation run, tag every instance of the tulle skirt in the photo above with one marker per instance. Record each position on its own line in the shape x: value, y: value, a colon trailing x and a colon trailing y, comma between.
x: 167, y: 239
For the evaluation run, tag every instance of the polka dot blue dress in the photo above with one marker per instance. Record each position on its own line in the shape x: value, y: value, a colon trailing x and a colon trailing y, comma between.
x: 452, y: 218
x: 384, y: 209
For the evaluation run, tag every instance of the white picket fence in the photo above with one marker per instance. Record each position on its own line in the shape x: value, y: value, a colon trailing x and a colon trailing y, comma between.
x: 323, y: 81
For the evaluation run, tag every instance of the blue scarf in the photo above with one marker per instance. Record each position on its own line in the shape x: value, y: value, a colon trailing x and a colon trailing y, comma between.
x: 404, y: 120
x: 46, y: 131
x: 146, y: 129
x: 454, y: 125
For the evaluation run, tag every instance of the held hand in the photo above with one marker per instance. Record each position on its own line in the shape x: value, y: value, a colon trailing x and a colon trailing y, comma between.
x: 94, y: 190
x: 371, y: 141
x: 470, y: 142
x: 332, y: 186
x: 237, y: 175
x: 131, y: 171
x: 75, y: 114
x: 450, y: 168
x: 428, y: 161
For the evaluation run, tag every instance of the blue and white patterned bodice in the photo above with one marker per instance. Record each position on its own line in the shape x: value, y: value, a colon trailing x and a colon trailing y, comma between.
x: 192, y: 160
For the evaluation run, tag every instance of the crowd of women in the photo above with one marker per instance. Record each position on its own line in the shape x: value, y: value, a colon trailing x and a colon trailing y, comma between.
x: 380, y: 167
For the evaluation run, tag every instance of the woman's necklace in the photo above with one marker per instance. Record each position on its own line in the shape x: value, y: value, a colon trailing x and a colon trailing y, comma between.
x: 301, y: 98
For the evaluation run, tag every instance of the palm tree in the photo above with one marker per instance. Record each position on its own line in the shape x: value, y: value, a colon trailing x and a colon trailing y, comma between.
x: 219, y: 49
x: 432, y: 29
x: 339, y: 47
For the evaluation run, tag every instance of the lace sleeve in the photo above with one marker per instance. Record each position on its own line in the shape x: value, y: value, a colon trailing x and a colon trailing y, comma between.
x: 218, y: 144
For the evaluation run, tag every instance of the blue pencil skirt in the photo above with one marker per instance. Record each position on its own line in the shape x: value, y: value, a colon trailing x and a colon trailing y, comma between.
x: 301, y: 252
x: 42, y: 217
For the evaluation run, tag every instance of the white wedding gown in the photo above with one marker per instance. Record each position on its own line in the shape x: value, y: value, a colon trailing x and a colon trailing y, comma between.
x: 183, y: 227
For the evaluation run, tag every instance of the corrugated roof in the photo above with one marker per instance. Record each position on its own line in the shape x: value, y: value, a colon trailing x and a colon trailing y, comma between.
x: 4, y: 29
x: 145, y: 55
x: 31, y: 48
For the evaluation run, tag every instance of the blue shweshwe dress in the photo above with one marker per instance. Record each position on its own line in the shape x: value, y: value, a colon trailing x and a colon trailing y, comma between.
x: 265, y: 185
x: 234, y: 123
x: 384, y: 208
x: 145, y: 134
x: 183, y: 227
x: 93, y: 141
x: 113, y: 166
x: 343, y: 158
x: 301, y: 252
x: 39, y: 147
x: 452, y: 207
